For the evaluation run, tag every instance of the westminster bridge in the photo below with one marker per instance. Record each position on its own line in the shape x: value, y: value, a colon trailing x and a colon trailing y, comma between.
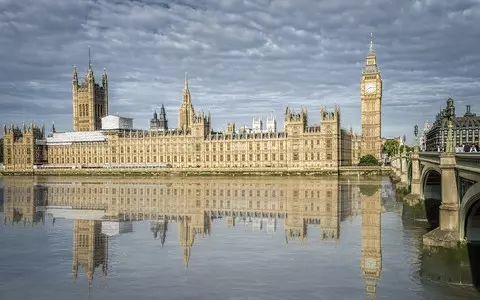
x: 453, y: 181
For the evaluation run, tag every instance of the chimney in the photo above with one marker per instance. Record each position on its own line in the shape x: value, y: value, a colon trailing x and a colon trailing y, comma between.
x: 468, y: 113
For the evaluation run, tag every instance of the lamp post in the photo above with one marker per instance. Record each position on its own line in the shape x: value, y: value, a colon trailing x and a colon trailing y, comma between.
x: 449, y: 115
x: 415, y: 131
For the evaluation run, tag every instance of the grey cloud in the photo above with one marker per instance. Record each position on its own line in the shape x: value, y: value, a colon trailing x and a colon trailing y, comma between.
x: 245, y: 58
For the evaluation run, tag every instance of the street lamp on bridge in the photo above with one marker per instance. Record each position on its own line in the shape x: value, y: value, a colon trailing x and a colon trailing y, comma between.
x: 448, y: 115
x: 415, y: 132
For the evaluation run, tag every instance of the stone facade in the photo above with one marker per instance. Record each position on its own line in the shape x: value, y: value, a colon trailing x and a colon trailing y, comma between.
x: 193, y: 144
x: 23, y: 148
x: 466, y: 131
x: 299, y: 146
x: 90, y: 101
x: 371, y: 97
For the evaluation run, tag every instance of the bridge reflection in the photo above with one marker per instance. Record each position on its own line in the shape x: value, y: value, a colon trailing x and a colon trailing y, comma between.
x: 105, y: 208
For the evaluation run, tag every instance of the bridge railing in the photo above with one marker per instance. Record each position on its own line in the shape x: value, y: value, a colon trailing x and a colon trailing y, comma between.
x: 431, y: 157
x: 468, y: 161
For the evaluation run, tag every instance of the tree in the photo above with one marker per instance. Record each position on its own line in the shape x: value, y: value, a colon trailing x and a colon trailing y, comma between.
x: 408, y: 148
x: 368, y: 160
x: 390, y: 147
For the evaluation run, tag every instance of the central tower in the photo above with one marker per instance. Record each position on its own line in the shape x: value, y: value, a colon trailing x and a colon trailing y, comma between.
x: 187, y: 113
x: 90, y: 100
x: 371, y: 98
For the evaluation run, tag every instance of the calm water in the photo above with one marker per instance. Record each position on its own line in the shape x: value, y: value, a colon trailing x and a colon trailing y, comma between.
x: 210, y: 238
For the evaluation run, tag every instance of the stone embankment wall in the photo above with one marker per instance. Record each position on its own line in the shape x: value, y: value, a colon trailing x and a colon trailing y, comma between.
x: 343, y: 171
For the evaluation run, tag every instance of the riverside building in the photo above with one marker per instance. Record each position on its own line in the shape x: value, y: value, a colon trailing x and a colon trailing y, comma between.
x: 100, y: 140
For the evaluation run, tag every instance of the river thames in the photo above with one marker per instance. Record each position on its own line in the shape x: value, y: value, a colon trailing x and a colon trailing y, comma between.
x: 215, y: 238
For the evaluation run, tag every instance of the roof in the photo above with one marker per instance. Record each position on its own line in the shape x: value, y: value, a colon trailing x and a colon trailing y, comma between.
x: 472, y: 121
x: 116, y: 117
x: 459, y: 122
x: 75, y: 137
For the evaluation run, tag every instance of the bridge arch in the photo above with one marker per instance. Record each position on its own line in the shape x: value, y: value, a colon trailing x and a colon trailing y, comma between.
x: 470, y: 214
x: 430, y: 182
x: 431, y: 193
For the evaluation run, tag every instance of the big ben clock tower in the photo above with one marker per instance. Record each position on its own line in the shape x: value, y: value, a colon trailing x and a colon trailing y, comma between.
x: 371, y: 97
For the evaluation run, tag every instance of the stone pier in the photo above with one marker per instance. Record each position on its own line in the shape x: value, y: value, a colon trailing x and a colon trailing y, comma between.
x: 447, y: 234
x: 414, y: 197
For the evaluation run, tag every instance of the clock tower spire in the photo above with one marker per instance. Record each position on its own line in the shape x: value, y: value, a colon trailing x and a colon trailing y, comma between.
x: 371, y: 105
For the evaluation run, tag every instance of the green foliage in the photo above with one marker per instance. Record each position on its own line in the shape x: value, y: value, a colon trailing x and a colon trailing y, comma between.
x: 390, y: 147
x: 408, y: 148
x: 368, y: 160
x: 369, y: 189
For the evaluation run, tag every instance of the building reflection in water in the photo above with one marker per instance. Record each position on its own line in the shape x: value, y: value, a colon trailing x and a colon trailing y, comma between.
x: 90, y: 248
x: 371, y: 261
x: 108, y: 207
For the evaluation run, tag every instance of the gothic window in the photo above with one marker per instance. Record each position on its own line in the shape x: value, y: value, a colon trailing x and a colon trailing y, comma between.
x: 295, y: 156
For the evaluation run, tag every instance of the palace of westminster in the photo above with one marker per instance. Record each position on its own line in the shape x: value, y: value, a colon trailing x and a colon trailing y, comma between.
x: 310, y: 210
x: 100, y: 140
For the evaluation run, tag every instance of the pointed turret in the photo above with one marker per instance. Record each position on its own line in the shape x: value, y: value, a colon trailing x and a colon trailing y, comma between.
x: 187, y: 112
x: 162, y: 110
x: 371, y: 50
x: 89, y: 59
x: 75, y: 75
x: 371, y: 61
x: 90, y: 69
x: 186, y: 90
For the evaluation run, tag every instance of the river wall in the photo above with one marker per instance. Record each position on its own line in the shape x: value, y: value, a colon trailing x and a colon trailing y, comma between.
x: 364, y: 171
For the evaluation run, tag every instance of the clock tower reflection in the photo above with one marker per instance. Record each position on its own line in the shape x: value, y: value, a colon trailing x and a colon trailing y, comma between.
x: 371, y: 261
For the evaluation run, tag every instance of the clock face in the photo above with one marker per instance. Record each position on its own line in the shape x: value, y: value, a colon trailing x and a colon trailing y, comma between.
x: 370, y: 88
x: 370, y: 263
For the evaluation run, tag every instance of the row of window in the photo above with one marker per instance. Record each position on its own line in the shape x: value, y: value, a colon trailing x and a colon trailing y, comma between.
x: 181, y: 158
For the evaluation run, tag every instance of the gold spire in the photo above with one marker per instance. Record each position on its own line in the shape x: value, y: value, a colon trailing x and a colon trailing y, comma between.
x: 371, y: 42
x: 89, y: 58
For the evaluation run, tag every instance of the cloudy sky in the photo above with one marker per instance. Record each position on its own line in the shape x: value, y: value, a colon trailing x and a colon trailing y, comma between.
x: 244, y: 58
